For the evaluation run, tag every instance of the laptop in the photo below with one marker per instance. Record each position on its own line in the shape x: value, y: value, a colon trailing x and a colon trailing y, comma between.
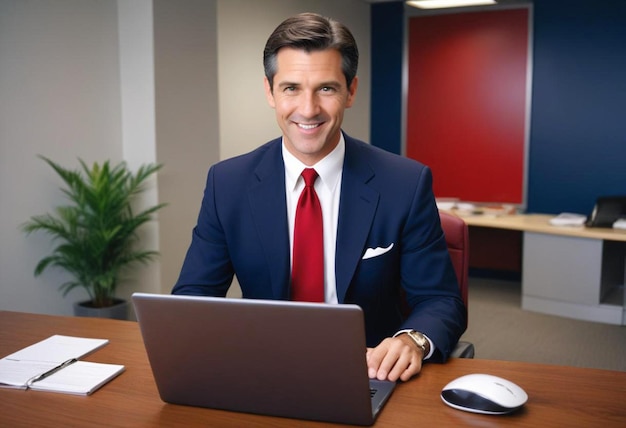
x: 290, y: 359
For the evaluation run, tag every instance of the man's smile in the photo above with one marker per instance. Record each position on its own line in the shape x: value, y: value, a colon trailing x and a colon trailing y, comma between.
x: 307, y: 126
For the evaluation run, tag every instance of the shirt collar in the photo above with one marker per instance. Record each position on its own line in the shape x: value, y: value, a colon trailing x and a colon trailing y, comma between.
x: 328, y: 169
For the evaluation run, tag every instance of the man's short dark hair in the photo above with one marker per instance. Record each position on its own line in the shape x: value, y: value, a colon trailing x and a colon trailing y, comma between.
x: 312, y: 32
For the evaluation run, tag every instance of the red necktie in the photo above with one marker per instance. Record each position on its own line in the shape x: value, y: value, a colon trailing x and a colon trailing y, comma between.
x: 307, y: 274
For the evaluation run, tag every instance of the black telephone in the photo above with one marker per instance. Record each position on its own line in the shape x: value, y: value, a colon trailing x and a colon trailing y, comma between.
x: 606, y: 211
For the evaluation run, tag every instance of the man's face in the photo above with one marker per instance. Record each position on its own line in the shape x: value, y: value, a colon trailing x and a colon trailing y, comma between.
x: 309, y: 96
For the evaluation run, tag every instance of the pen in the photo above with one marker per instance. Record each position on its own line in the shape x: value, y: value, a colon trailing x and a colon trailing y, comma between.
x: 50, y: 372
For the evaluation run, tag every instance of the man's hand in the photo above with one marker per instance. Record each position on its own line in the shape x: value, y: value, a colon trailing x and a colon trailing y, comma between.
x: 394, y: 358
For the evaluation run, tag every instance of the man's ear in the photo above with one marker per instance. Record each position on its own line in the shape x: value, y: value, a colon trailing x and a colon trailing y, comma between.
x: 268, y: 92
x: 352, y: 91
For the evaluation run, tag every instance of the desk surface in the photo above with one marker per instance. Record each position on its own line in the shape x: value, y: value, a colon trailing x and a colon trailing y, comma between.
x: 539, y: 223
x: 558, y: 396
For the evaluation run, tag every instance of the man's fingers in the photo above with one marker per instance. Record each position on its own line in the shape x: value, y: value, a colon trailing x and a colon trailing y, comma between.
x: 393, y: 359
x: 414, y: 368
x: 373, y: 358
x: 399, y: 364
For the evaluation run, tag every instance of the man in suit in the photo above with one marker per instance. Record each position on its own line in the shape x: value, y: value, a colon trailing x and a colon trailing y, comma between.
x: 381, y: 229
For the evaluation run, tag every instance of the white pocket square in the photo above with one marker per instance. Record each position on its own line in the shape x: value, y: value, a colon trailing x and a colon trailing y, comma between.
x: 375, y: 252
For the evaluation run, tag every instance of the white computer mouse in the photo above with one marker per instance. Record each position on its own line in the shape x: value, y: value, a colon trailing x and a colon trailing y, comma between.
x: 483, y: 393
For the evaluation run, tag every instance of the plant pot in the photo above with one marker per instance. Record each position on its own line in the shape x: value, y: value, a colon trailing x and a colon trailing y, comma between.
x: 119, y: 310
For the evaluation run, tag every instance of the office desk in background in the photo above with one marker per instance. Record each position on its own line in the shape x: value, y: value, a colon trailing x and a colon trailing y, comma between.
x: 576, y: 272
x: 558, y: 396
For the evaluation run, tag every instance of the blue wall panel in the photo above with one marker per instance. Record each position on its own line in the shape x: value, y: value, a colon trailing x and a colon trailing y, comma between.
x: 386, y: 92
x: 578, y: 120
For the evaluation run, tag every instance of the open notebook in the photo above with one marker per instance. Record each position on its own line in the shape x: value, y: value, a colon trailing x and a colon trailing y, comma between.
x: 53, y: 365
x: 291, y: 359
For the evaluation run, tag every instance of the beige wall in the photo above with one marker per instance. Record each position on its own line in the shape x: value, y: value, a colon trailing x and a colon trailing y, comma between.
x: 187, y: 120
x: 144, y: 80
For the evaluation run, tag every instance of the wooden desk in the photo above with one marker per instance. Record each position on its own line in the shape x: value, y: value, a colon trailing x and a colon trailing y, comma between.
x: 576, y: 272
x: 559, y: 396
x: 539, y: 223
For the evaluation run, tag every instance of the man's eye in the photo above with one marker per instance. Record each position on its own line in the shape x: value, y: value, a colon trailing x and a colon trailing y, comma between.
x: 328, y: 89
x: 290, y: 88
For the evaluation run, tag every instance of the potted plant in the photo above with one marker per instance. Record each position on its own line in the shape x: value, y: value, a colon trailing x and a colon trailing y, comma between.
x: 97, y: 232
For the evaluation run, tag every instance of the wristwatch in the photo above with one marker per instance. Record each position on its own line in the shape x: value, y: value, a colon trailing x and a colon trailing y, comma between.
x: 420, y: 340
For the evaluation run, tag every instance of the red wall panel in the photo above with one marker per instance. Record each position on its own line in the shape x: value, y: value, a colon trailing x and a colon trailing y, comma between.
x: 467, y: 102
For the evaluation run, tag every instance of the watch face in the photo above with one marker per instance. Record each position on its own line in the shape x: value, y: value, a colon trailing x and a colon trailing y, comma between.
x: 420, y: 340
x: 419, y: 337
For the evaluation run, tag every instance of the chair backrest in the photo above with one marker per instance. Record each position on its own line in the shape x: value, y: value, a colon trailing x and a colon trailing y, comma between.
x: 457, y: 238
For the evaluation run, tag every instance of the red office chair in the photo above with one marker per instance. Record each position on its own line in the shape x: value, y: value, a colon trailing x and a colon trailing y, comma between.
x: 457, y: 238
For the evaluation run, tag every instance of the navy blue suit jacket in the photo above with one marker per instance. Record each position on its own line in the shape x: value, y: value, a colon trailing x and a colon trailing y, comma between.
x: 385, y: 199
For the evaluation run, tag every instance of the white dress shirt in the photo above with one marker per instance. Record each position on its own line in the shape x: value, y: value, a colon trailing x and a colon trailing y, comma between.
x: 328, y: 189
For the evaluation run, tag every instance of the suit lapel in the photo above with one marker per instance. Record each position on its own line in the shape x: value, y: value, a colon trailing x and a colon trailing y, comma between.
x: 356, y: 212
x: 269, y: 212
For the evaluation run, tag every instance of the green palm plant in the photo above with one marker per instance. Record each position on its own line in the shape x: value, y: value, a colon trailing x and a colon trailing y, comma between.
x: 97, y: 232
